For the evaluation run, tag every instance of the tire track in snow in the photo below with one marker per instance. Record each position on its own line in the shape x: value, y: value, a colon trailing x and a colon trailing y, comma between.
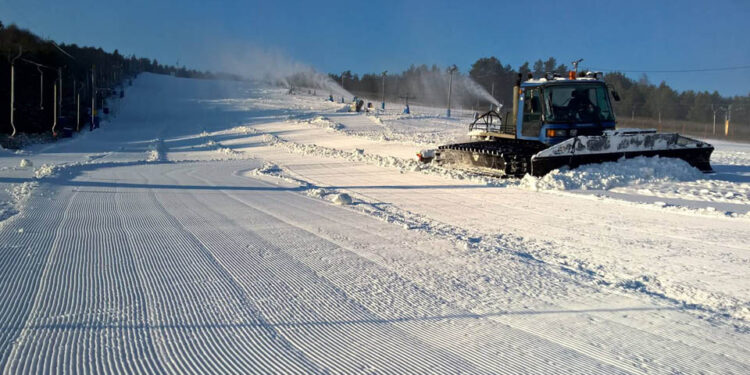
x: 86, y: 303
x: 540, y: 348
x: 558, y: 244
x: 26, y: 246
x: 681, y: 340
x: 70, y: 329
x: 26, y: 335
x: 523, y: 361
x: 315, y: 302
x: 673, y: 347
x: 231, y: 332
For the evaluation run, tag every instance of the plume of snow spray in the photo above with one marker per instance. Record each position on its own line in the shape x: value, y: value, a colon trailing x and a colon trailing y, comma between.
x: 477, y: 90
x: 274, y: 67
x: 430, y: 86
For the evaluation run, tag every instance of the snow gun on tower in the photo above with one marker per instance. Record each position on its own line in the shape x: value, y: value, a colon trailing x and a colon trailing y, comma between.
x: 556, y: 122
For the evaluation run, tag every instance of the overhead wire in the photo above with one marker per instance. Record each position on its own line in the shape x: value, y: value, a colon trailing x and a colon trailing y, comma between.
x: 37, y: 64
x: 61, y: 50
x: 740, y: 67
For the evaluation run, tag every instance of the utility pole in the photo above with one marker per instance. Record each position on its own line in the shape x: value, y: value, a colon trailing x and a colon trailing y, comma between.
x: 714, y: 109
x: 728, y: 120
x: 450, y: 88
x: 382, y: 104
x: 54, y: 110
x: 659, y: 122
x: 93, y: 97
x: 78, y: 107
x: 13, y: 90
x: 59, y: 79
x: 492, y: 93
x: 41, y: 87
x: 342, y: 86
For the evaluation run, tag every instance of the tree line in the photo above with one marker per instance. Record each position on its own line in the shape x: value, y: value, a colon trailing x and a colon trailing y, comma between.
x: 41, y: 66
x: 639, y: 98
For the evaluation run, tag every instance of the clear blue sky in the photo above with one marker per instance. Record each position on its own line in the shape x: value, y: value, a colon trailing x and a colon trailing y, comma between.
x: 370, y: 36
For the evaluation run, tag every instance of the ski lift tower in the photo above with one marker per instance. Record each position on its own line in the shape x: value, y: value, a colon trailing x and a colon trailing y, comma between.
x: 382, y: 97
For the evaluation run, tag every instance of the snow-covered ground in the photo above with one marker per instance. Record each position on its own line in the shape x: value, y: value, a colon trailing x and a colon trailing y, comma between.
x: 217, y: 227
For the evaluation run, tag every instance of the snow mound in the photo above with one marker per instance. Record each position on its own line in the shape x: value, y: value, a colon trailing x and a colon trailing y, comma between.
x: 227, y: 151
x: 156, y: 152
x: 268, y: 169
x: 22, y: 191
x: 342, y: 199
x: 152, y: 156
x: 273, y: 170
x: 244, y: 129
x: 358, y: 155
x: 45, y: 170
x: 324, y: 122
x: 609, y: 175
x: 25, y: 163
x: 319, y: 193
x: 375, y: 119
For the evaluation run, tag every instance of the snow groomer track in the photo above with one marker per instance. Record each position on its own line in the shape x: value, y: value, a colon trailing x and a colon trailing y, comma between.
x: 196, y: 233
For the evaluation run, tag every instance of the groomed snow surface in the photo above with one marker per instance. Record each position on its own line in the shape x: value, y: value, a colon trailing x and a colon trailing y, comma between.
x: 220, y: 227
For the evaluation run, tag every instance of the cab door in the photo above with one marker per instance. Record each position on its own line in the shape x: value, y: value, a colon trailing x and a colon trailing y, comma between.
x: 532, y: 113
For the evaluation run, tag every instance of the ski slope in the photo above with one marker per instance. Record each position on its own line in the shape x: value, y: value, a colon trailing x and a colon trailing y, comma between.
x: 198, y: 231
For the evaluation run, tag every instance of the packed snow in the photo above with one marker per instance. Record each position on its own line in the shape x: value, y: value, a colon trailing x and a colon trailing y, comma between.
x: 222, y: 227
x: 626, y: 172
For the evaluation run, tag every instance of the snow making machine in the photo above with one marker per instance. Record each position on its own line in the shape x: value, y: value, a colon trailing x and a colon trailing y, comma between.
x: 556, y: 122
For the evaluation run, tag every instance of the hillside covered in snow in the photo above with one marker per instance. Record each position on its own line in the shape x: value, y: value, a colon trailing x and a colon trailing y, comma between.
x: 223, y: 227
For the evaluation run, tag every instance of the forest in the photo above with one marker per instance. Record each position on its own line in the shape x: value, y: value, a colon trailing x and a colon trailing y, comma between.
x: 642, y: 104
x: 46, y: 73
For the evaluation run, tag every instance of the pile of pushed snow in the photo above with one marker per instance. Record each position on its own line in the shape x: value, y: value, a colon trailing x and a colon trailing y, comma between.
x: 25, y: 163
x: 614, y: 174
x: 375, y: 119
x: 342, y: 199
x: 156, y: 151
x: 227, y: 151
x: 324, y: 122
x: 244, y: 129
x: 358, y: 155
x: 273, y: 170
x: 152, y: 156
x: 268, y: 169
x: 45, y: 170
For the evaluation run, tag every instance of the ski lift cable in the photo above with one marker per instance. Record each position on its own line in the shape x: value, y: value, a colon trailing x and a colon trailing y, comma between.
x: 61, y: 50
x: 20, y: 52
x: 37, y: 64
x: 740, y: 67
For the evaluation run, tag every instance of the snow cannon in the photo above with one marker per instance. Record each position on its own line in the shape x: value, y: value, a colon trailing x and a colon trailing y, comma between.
x: 560, y: 122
